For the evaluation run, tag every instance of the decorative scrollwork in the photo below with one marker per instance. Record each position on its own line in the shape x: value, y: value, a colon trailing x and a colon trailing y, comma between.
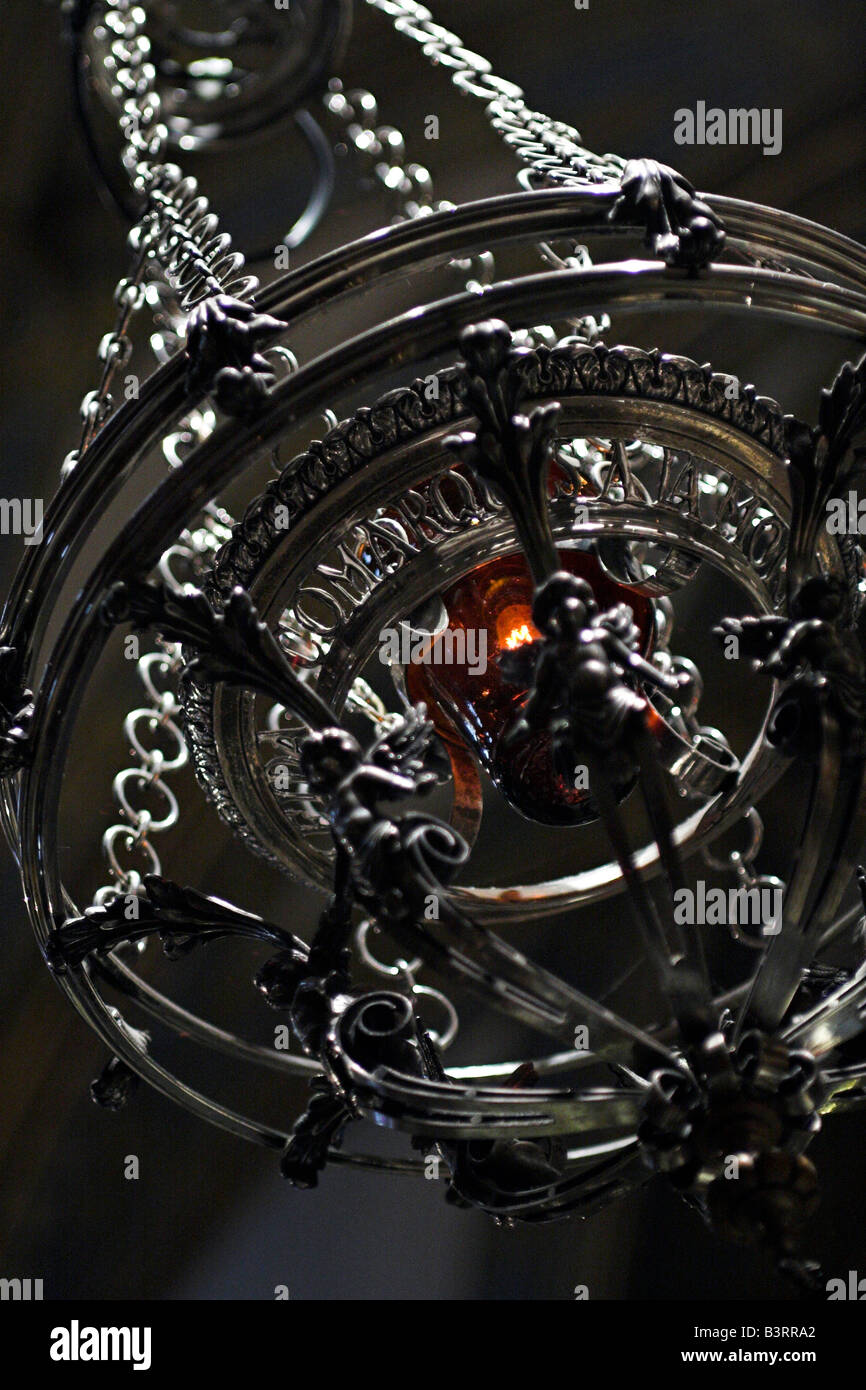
x: 181, y: 917
x: 821, y: 464
x: 317, y: 1130
x: 510, y: 450
x: 230, y: 645
x: 815, y: 651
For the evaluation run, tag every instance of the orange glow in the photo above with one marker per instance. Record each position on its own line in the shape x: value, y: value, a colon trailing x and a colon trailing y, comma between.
x: 496, y: 598
x: 512, y: 624
x: 518, y: 636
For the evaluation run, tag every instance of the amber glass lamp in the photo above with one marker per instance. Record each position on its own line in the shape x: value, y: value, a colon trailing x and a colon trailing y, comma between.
x: 493, y: 602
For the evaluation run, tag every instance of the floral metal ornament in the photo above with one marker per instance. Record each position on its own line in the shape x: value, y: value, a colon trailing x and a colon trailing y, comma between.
x: 223, y: 336
x: 680, y: 228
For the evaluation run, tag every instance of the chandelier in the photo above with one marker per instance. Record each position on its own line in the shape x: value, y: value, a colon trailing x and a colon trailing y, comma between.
x: 449, y: 562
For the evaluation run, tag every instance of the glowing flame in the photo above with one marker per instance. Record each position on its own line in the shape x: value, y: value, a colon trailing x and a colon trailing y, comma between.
x: 518, y: 636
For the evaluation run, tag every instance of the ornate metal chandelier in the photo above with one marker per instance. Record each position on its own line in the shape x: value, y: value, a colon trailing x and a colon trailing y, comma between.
x: 460, y: 590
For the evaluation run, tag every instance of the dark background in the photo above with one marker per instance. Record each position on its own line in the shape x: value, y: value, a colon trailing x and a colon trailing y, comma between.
x: 209, y: 1216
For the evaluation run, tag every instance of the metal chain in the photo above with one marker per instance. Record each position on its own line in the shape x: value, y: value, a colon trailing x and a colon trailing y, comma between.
x: 156, y: 719
x: 381, y: 151
x: 114, y: 352
x: 553, y: 150
x: 134, y: 831
x: 197, y: 258
x: 177, y: 231
x: 179, y: 234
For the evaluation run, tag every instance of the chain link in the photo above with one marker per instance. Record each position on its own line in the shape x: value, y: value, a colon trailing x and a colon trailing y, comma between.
x: 381, y: 152
x: 553, y: 150
x: 158, y: 716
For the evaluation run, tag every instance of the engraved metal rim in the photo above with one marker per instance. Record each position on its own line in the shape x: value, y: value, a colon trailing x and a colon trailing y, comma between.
x: 139, y: 423
x: 266, y: 561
